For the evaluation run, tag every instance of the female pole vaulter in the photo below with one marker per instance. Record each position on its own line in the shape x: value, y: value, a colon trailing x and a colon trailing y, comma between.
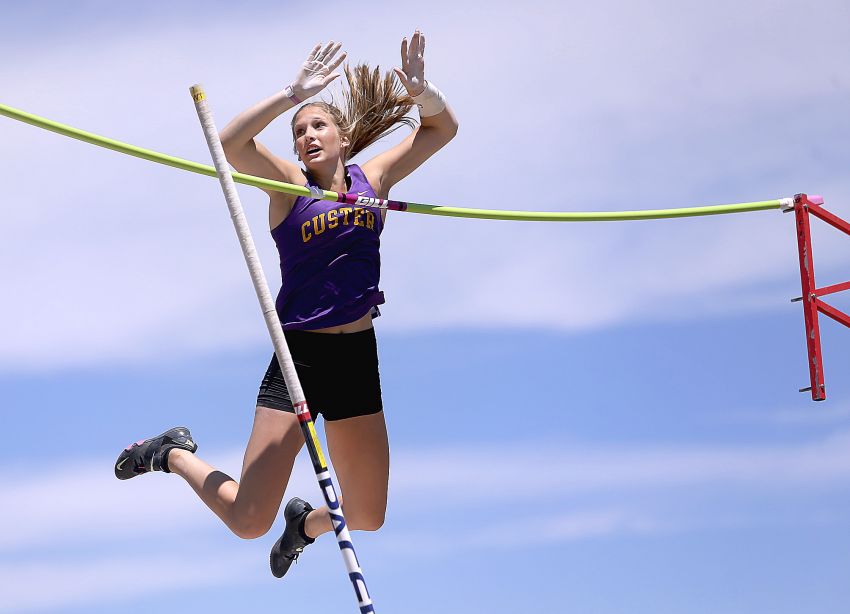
x: 330, y: 264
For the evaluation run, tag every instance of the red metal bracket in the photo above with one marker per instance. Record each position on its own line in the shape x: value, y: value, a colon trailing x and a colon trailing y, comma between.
x: 812, y: 304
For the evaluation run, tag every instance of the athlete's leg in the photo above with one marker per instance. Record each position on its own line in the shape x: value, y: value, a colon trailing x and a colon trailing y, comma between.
x: 248, y: 508
x: 360, y: 455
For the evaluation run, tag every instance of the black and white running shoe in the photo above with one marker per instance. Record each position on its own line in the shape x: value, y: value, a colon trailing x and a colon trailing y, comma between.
x: 152, y: 454
x: 293, y: 541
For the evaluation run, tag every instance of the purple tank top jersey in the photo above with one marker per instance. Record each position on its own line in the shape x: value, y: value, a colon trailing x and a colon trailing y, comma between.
x: 329, y: 260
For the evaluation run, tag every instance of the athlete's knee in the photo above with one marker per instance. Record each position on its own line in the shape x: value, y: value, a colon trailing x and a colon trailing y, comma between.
x: 249, y: 531
x: 371, y: 520
x: 372, y: 524
x: 250, y: 526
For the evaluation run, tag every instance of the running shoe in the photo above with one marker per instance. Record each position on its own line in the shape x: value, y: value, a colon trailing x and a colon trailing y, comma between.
x: 293, y: 541
x: 152, y: 454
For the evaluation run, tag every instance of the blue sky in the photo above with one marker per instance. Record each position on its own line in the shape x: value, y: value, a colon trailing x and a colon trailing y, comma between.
x: 583, y: 417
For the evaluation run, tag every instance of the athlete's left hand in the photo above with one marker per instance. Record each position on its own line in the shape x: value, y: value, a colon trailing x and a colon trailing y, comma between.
x: 412, y: 71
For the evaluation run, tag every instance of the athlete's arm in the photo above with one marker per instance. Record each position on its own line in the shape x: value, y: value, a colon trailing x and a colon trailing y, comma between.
x: 247, y: 154
x: 238, y: 138
x: 433, y: 133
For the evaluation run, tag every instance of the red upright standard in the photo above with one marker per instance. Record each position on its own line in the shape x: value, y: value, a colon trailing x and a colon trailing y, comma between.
x: 812, y: 304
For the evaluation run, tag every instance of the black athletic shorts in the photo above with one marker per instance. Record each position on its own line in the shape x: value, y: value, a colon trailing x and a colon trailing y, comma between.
x: 338, y: 372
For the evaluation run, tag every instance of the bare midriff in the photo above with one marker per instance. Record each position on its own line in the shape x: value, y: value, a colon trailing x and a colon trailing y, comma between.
x: 363, y: 323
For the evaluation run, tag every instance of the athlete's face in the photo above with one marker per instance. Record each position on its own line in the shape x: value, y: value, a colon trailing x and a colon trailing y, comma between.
x: 317, y: 138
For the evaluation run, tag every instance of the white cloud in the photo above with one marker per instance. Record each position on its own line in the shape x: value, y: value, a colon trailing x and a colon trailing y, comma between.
x: 113, y: 577
x: 470, y: 475
x: 489, y: 473
x: 112, y: 259
x: 155, y: 505
x: 537, y: 530
x: 571, y: 492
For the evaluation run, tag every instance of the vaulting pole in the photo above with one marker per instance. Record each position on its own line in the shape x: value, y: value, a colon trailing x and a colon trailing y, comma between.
x: 296, y: 393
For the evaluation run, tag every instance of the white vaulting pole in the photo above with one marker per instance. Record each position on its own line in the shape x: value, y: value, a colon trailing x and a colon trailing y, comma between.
x: 355, y: 574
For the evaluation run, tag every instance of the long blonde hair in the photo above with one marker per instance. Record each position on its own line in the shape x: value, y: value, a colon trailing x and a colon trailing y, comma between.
x: 373, y: 107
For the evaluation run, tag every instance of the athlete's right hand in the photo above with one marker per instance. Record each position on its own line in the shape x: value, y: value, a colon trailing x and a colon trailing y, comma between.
x: 318, y: 70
